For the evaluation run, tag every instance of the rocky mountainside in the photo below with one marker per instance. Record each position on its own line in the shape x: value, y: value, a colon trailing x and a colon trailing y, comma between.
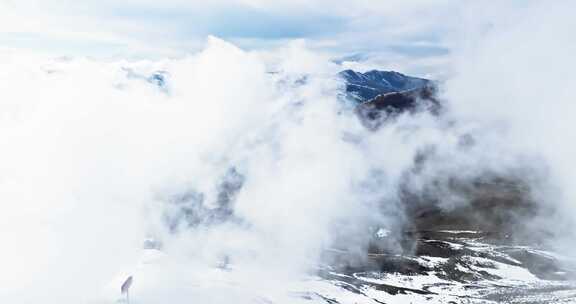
x: 469, y: 254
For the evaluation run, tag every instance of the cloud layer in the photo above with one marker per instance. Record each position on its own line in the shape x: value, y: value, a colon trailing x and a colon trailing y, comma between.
x: 96, y: 157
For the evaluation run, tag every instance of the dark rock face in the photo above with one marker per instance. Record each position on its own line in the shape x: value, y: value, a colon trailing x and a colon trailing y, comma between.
x: 366, y: 86
x: 374, y: 112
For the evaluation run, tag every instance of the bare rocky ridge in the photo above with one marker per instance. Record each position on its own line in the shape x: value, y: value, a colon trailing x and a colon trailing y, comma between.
x: 374, y: 112
x: 465, y: 248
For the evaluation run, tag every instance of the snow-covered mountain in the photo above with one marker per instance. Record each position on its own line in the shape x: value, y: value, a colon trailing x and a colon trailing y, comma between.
x: 365, y: 86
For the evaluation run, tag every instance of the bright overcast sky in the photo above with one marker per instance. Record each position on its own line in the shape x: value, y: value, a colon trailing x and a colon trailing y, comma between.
x: 146, y: 28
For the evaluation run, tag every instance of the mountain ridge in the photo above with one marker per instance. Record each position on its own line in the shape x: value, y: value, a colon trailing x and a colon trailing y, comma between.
x: 368, y: 85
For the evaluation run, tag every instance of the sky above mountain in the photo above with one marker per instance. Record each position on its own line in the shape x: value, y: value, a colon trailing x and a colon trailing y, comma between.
x: 144, y: 28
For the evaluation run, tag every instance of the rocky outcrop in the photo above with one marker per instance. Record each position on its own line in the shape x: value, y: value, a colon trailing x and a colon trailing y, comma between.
x: 374, y: 112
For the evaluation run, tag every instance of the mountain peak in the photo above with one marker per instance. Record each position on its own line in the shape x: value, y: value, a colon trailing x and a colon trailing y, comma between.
x: 365, y: 86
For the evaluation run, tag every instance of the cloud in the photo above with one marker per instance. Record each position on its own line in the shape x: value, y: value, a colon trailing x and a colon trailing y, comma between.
x: 96, y: 157
x: 91, y: 148
x: 514, y: 79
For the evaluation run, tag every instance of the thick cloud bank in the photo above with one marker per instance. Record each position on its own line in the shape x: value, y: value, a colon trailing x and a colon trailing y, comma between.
x: 100, y: 156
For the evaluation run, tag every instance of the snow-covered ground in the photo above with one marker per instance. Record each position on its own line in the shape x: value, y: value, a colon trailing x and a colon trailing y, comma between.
x: 475, y: 272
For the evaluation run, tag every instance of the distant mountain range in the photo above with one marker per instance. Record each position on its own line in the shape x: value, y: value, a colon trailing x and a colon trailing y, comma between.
x: 365, y: 86
x: 387, y: 88
x: 379, y: 95
x: 376, y: 95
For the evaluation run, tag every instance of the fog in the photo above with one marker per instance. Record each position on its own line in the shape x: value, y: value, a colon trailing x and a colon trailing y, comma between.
x: 514, y: 82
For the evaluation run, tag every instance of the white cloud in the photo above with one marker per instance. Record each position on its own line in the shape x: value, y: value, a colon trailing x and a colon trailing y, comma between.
x: 93, y: 155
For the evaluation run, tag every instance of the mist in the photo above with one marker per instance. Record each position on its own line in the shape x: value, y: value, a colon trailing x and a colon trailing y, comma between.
x: 513, y: 82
